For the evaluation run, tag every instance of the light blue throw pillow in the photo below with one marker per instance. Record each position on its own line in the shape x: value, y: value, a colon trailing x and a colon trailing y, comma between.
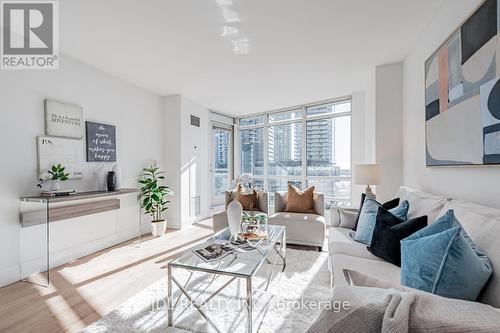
x: 368, y: 218
x: 442, y: 259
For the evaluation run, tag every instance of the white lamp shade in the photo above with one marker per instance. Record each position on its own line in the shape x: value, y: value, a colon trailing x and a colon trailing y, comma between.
x: 367, y: 174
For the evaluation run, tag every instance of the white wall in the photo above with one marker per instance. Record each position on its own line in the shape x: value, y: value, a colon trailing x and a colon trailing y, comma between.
x: 388, y: 132
x: 171, y: 130
x: 478, y: 184
x: 360, y: 135
x: 195, y: 152
x: 135, y: 113
x: 186, y: 153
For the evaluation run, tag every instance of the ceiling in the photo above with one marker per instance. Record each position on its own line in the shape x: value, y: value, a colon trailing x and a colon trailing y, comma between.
x: 243, y: 56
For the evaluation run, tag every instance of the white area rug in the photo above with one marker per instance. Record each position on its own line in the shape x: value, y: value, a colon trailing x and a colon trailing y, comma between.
x: 291, y: 303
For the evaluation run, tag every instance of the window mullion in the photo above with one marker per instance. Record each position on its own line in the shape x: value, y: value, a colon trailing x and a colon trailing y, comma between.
x: 317, y: 121
x: 266, y: 152
x: 304, y: 147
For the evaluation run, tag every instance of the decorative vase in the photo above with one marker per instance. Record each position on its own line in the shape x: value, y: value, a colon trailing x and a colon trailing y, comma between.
x: 118, y: 173
x: 55, y: 185
x: 111, y: 181
x: 101, y: 178
x: 234, y: 213
x: 158, y: 228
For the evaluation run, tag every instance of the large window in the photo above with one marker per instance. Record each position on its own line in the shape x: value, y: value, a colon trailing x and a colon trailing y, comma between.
x: 305, y: 146
x: 252, y: 151
x: 284, y: 149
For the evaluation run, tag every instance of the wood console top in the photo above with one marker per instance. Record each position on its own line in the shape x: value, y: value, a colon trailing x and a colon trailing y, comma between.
x: 80, y: 195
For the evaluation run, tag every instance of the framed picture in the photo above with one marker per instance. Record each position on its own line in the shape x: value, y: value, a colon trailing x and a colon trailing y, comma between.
x: 462, y: 93
x: 63, y: 120
x: 101, y: 142
x: 67, y: 152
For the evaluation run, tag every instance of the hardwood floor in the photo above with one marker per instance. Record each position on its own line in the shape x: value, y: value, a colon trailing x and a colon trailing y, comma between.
x: 84, y: 290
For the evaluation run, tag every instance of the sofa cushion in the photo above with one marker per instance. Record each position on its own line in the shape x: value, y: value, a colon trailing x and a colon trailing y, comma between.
x: 355, y: 278
x: 421, y: 203
x: 247, y: 200
x: 344, y: 217
x: 381, y: 270
x: 368, y: 217
x: 306, y: 229
x: 341, y: 242
x: 442, y: 259
x: 388, y: 233
x: 473, y: 217
x: 483, y: 225
x: 300, y: 201
x: 387, y: 205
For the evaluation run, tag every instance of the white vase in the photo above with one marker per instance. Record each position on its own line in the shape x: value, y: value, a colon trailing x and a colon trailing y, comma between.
x: 55, y: 185
x: 158, y: 228
x: 118, y: 174
x: 234, y: 213
x: 100, y: 176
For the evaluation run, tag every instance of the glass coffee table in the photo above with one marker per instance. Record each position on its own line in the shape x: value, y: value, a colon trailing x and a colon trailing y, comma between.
x: 237, y: 265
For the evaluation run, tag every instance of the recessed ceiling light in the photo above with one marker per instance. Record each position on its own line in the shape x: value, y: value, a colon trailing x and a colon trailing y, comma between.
x: 241, y: 46
x: 230, y: 16
x: 223, y: 3
x: 228, y: 31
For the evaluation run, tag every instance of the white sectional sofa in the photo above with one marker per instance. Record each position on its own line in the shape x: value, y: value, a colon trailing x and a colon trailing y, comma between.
x: 482, y: 223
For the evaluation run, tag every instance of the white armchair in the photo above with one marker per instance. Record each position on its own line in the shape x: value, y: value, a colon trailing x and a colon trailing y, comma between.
x: 301, y: 228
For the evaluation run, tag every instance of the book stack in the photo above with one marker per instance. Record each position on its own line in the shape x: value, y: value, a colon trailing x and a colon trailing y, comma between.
x: 253, y: 235
x: 57, y: 193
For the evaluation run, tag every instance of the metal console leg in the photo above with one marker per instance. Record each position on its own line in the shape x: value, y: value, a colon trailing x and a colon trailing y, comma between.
x: 170, y: 296
x: 249, y: 305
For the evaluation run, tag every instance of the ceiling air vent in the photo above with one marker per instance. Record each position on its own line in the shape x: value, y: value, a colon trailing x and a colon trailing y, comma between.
x: 195, y: 121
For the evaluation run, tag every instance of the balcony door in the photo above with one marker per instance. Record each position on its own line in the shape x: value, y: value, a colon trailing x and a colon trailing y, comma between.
x: 222, y: 162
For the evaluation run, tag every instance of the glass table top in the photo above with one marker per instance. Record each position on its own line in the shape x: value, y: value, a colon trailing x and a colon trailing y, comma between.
x: 242, y: 264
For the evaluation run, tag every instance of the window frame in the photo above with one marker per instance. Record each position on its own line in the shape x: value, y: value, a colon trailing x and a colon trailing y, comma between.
x: 303, y: 178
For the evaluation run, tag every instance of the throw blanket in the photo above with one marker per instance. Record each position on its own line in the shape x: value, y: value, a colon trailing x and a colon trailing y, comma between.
x: 395, y: 311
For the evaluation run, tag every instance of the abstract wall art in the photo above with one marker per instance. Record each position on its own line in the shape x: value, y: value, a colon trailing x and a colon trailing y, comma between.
x: 462, y: 93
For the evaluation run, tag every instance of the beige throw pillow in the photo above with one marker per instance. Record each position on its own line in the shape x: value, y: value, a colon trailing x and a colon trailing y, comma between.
x: 247, y: 201
x: 300, y: 201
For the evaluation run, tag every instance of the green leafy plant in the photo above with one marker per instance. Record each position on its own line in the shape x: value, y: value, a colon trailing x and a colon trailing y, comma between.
x: 56, y: 172
x: 152, y: 195
x: 253, y: 219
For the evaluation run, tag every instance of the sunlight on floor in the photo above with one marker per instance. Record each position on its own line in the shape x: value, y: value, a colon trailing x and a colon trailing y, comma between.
x: 58, y: 305
x: 85, y: 289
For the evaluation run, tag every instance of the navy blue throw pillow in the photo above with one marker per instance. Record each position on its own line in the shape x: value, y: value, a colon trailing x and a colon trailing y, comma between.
x: 388, y: 233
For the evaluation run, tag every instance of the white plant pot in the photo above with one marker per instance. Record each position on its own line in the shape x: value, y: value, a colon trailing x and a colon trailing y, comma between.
x: 100, y: 176
x: 158, y: 228
x: 234, y: 214
x: 55, y: 185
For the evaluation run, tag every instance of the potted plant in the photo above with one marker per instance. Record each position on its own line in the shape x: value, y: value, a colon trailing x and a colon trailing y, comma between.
x: 152, y: 197
x: 56, y: 174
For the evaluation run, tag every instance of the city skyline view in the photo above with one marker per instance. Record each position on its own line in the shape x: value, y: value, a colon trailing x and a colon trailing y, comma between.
x: 326, y: 153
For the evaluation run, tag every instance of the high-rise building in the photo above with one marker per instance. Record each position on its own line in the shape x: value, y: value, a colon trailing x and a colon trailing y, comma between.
x: 222, y: 149
x: 320, y: 144
x: 252, y: 151
x: 285, y: 146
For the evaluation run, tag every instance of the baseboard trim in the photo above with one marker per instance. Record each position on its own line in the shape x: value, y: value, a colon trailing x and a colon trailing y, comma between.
x: 9, y: 275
